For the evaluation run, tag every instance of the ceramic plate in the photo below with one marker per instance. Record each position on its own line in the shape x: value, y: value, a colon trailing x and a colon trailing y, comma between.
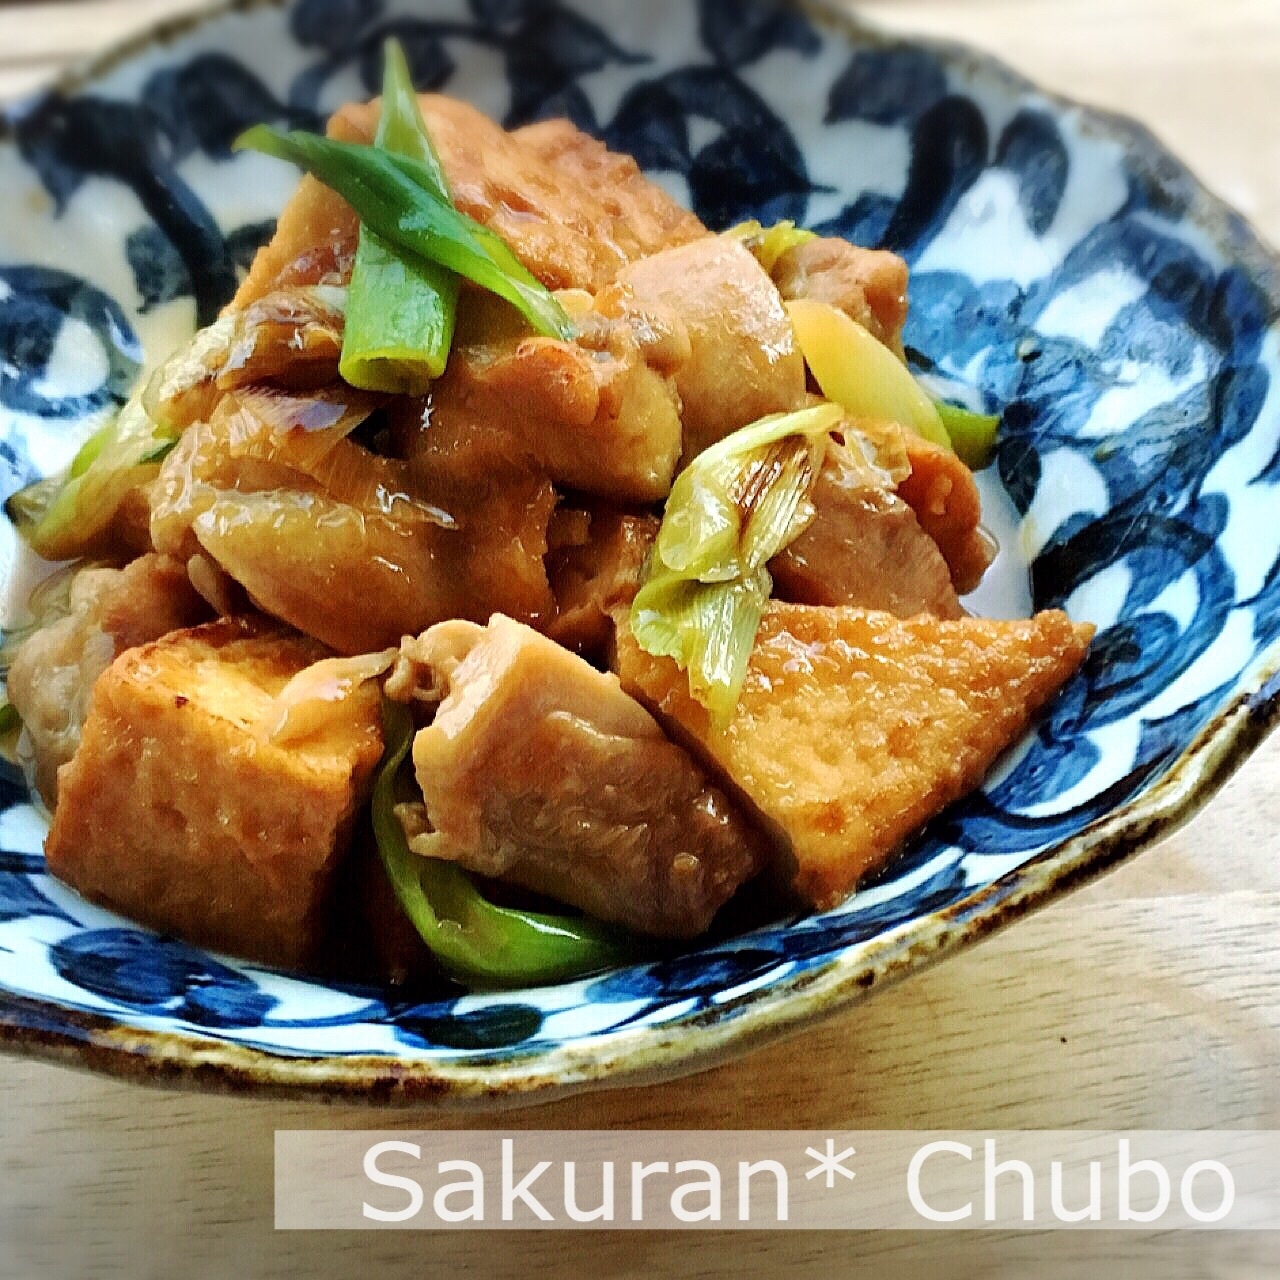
x: 1065, y: 268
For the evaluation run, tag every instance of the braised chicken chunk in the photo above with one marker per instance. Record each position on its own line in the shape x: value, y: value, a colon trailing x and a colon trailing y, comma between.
x: 942, y: 492
x: 865, y: 547
x: 595, y: 577
x: 599, y: 415
x: 108, y: 611
x: 360, y: 570
x: 868, y: 285
x: 538, y: 769
x: 743, y: 361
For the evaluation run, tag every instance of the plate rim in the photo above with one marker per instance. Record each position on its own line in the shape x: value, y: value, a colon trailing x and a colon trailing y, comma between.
x: 636, y: 1056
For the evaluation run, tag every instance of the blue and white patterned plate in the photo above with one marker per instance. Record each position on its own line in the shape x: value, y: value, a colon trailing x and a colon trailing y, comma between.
x: 1064, y: 265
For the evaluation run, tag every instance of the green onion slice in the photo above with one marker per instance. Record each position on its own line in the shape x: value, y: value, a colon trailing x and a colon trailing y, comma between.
x: 398, y: 198
x: 735, y: 507
x: 768, y: 244
x: 708, y: 628
x: 476, y: 942
x: 973, y: 435
x: 65, y: 517
x: 401, y: 313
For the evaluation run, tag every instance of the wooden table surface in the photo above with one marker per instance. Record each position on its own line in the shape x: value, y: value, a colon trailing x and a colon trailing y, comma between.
x: 1149, y: 1000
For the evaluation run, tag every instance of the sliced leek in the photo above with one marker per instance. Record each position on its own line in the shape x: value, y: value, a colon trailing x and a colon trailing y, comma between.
x: 736, y: 506
x: 401, y: 312
x: 860, y: 373
x: 67, y: 518
x: 973, y: 435
x: 708, y: 628
x: 768, y: 244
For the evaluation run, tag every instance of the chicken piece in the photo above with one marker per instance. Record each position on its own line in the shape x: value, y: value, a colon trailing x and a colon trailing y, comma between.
x: 639, y: 217
x: 572, y: 211
x: 864, y: 547
x: 356, y: 582
x: 592, y: 579
x: 539, y: 770
x: 357, y: 578
x: 291, y: 337
x: 855, y: 728
x: 744, y: 362
x: 314, y: 244
x: 200, y: 468
x: 360, y: 582
x: 868, y: 285
x: 179, y: 811
x: 942, y: 492
x: 54, y: 669
x: 599, y: 414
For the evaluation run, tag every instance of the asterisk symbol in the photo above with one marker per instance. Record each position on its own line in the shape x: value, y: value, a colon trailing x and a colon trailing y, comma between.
x: 830, y: 1163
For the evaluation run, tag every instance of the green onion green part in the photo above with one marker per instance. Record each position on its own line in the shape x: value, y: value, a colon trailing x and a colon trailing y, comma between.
x: 476, y: 942
x: 401, y: 312
x: 973, y: 435
x: 398, y: 199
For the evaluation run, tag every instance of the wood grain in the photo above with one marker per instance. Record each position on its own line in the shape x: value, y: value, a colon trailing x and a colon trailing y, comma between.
x: 1151, y: 999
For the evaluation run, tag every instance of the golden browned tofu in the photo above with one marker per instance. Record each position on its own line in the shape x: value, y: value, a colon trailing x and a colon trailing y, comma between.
x: 744, y: 362
x: 864, y: 547
x: 855, y: 728
x: 868, y: 285
x: 571, y: 210
x: 538, y: 769
x: 942, y: 492
x: 593, y: 578
x: 179, y: 811
x: 109, y: 611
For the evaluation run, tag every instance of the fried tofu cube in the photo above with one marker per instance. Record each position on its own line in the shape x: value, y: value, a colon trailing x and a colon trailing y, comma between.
x: 854, y: 728
x: 179, y: 811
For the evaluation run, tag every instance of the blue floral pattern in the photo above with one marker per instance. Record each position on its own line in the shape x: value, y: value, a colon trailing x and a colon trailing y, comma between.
x: 1064, y: 266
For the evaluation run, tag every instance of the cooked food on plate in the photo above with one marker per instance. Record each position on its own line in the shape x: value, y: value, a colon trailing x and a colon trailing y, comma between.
x: 516, y: 572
